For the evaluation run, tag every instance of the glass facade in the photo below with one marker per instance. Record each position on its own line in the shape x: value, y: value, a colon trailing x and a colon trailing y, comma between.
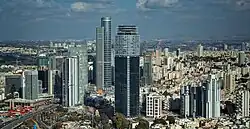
x: 127, y: 71
x: 30, y: 86
x: 106, y: 24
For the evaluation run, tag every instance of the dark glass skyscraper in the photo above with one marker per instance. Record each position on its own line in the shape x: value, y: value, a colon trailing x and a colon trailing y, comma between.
x: 127, y: 70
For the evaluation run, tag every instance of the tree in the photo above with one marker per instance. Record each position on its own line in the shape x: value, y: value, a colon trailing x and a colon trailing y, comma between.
x: 120, y: 121
x: 159, y: 121
x: 171, y: 119
x: 107, y: 126
x: 143, y: 124
x: 166, y: 93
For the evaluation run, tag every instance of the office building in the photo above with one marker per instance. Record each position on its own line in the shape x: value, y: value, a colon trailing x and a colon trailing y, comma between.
x: 202, y: 100
x: 70, y: 82
x: 81, y: 52
x: 100, y: 57
x: 43, y: 76
x: 200, y: 50
x: 42, y: 61
x: 106, y: 24
x: 154, y: 105
x: 13, y: 83
x: 147, y: 70
x: 56, y: 67
x: 30, y: 85
x: 127, y: 70
x: 103, y: 52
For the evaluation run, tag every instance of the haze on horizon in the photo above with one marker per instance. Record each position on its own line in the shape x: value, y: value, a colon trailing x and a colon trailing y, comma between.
x: 167, y: 19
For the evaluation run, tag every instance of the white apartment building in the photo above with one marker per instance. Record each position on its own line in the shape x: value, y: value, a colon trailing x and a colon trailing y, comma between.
x: 154, y: 105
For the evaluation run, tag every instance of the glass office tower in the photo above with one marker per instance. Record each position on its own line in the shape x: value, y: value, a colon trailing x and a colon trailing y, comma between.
x: 127, y: 74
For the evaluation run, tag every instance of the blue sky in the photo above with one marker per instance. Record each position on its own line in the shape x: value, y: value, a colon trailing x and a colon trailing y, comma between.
x: 168, y: 19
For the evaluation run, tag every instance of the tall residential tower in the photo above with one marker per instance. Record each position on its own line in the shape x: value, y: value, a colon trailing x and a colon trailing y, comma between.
x: 127, y: 74
x: 81, y: 52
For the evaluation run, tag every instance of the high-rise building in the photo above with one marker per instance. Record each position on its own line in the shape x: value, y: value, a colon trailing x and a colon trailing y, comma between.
x: 192, y: 101
x: 2, y: 86
x: 200, y: 50
x: 213, y: 97
x: 56, y: 64
x: 43, y: 75
x: 13, y: 83
x: 225, y: 47
x: 154, y: 105
x: 241, y: 58
x: 199, y: 96
x: 229, y: 81
x: 81, y: 52
x: 42, y: 61
x: 185, y: 101
x: 104, y: 47
x: 100, y: 57
x: 165, y: 51
x: 127, y: 70
x: 147, y: 70
x: 30, y: 85
x: 245, y: 103
x: 70, y: 77
x: 178, y: 52
x: 203, y: 100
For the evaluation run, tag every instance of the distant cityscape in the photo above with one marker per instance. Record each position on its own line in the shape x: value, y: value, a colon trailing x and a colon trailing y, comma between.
x: 121, y: 82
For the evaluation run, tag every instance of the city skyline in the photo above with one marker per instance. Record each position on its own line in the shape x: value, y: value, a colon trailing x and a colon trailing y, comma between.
x: 168, y: 19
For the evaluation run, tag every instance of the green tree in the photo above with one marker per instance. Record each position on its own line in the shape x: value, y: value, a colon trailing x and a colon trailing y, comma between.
x: 120, y: 121
x: 171, y: 119
x: 143, y: 124
x: 160, y: 121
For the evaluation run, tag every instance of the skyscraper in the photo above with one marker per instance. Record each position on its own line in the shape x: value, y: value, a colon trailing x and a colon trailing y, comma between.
x: 56, y: 64
x: 200, y: 50
x: 100, y: 57
x: 241, y: 58
x: 81, y: 52
x: 103, y: 38
x: 70, y: 79
x: 212, y: 97
x: 127, y: 74
x: 147, y: 70
x: 185, y: 101
x: 30, y: 85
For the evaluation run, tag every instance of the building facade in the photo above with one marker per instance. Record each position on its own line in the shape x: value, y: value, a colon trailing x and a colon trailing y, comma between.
x: 13, y: 83
x: 30, y: 85
x: 127, y: 70
x: 100, y: 57
x: 70, y: 83
x: 154, y: 105
x: 81, y: 52
x: 212, y: 93
x: 103, y: 38
x: 200, y: 50
x: 147, y: 70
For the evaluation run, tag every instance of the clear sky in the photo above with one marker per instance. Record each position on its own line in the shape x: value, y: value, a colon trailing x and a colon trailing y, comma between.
x: 168, y: 19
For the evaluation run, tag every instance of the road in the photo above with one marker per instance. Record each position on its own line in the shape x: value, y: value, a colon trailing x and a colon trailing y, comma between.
x: 16, y: 121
